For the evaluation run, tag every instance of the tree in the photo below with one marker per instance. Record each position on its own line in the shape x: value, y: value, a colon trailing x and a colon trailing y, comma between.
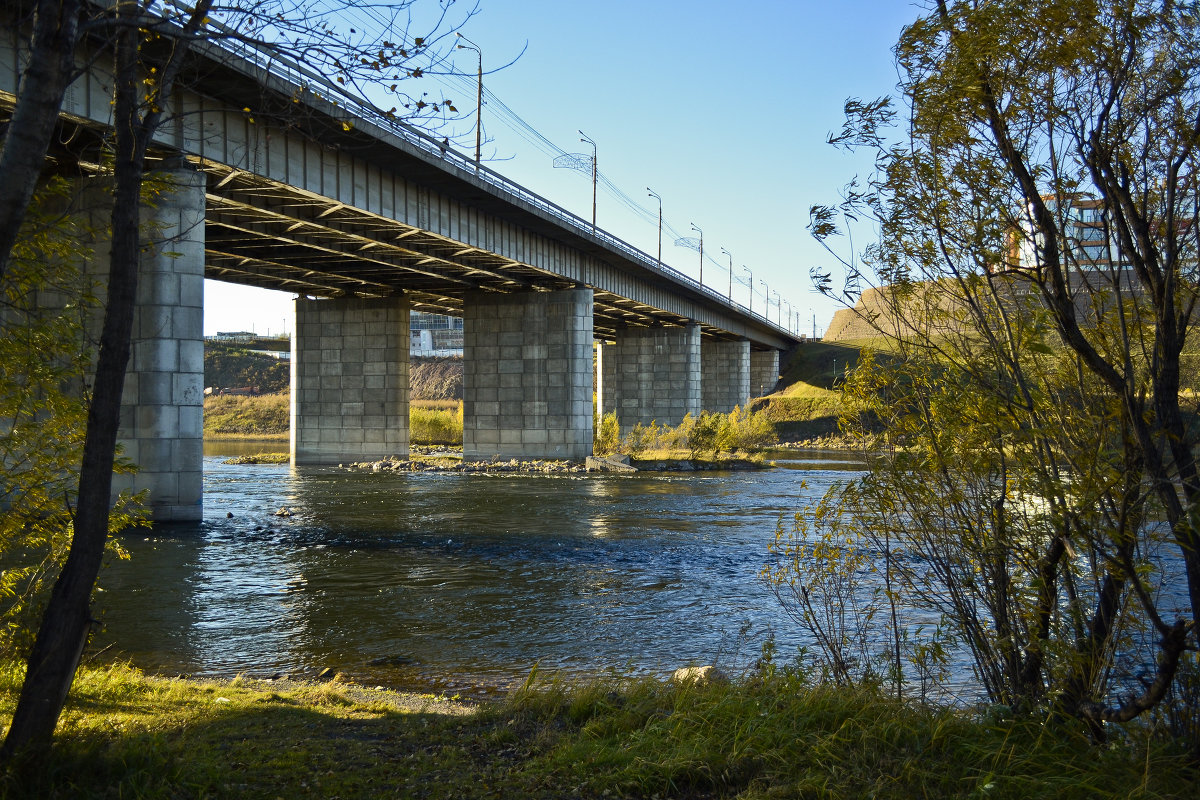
x: 45, y: 354
x: 1035, y: 282
x: 151, y: 43
x: 49, y: 70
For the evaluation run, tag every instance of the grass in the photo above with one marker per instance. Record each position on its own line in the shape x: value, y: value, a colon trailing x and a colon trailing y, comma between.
x: 807, y: 406
x: 266, y: 417
x: 128, y: 735
x: 436, y: 424
x: 254, y: 417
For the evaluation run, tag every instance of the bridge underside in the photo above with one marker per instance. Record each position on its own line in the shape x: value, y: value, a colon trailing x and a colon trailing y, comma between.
x: 277, y: 237
x: 357, y: 274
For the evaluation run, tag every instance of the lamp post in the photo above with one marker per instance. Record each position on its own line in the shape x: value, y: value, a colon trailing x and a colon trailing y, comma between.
x: 726, y: 252
x: 766, y: 299
x: 655, y: 195
x: 750, y: 283
x: 697, y: 230
x: 595, y: 152
x: 778, y: 307
x: 789, y: 305
x: 478, y: 93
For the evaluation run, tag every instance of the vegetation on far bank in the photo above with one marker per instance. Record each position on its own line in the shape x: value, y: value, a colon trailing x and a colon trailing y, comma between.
x: 771, y: 734
x: 263, y: 416
x: 435, y: 422
x: 705, y: 437
x: 231, y: 366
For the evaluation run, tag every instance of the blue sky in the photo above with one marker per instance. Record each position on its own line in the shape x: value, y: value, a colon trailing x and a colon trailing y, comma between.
x: 722, y: 108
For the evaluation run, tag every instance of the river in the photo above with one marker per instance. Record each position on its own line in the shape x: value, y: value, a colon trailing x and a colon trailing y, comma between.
x: 459, y: 582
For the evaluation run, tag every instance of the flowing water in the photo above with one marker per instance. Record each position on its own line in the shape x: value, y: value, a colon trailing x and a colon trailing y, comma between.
x: 455, y: 581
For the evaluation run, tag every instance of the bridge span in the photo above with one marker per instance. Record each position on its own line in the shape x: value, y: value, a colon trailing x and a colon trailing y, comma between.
x: 283, y: 182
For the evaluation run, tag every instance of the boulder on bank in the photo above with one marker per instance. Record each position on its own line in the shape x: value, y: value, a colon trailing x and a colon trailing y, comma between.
x: 700, y: 676
x: 613, y: 463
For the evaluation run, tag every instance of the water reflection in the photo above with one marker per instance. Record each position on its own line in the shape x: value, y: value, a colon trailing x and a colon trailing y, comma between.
x: 413, y: 578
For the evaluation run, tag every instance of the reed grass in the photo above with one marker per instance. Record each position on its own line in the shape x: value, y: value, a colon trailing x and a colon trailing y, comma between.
x: 436, y: 425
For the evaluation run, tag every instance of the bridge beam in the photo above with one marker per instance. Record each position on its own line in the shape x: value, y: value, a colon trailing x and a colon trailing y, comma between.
x: 764, y: 371
x: 527, y: 375
x: 349, y: 380
x: 724, y: 374
x: 651, y: 374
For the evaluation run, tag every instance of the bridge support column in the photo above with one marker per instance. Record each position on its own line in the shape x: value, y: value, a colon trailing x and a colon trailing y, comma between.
x: 162, y: 404
x: 651, y: 374
x: 724, y: 374
x: 527, y: 375
x: 349, y: 380
x: 764, y: 371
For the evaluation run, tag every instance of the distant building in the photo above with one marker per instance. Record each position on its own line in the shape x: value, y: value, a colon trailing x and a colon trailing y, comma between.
x: 435, y: 334
x: 1088, y: 247
x: 235, y: 336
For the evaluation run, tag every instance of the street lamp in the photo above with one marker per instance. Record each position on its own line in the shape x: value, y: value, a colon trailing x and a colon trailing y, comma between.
x: 789, y: 305
x: 655, y: 195
x: 750, y: 284
x: 697, y: 230
x: 778, y: 306
x: 595, y: 152
x: 766, y: 299
x: 478, y: 94
x: 726, y: 252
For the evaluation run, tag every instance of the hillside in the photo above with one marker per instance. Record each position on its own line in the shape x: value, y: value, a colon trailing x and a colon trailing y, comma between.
x: 435, y: 378
x: 231, y: 365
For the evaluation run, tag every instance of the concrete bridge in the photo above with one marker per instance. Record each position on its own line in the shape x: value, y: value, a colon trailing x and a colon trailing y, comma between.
x: 282, y: 182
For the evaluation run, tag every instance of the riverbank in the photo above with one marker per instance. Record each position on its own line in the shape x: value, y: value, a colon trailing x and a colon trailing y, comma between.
x: 125, y: 734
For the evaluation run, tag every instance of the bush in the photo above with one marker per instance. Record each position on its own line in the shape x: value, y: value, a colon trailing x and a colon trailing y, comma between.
x: 708, y: 433
x: 607, y: 437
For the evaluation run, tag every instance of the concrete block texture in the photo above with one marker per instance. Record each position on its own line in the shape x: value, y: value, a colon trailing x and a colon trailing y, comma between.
x: 724, y: 374
x: 764, y: 371
x: 338, y: 415
x: 651, y: 374
x: 162, y: 416
x: 518, y: 402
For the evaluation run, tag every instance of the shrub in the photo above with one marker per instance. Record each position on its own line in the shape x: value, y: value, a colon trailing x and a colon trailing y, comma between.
x: 607, y: 437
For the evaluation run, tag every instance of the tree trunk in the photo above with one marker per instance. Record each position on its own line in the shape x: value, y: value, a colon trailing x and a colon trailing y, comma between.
x: 39, y: 98
x: 66, y: 622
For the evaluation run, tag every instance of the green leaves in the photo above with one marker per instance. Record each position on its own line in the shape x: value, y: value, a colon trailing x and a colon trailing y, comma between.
x: 45, y: 359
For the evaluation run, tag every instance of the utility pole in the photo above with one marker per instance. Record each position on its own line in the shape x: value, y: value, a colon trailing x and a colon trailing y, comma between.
x: 478, y: 94
x: 595, y: 153
x: 726, y: 252
x: 655, y: 195
x: 697, y: 230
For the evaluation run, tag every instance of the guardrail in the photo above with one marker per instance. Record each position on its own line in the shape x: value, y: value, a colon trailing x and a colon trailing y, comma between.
x: 282, y: 66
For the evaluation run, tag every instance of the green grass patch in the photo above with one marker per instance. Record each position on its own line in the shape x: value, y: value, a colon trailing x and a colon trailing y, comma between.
x: 250, y: 417
x: 436, y: 425
x: 128, y: 735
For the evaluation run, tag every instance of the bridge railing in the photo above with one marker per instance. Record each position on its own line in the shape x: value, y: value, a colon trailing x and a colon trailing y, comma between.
x: 280, y: 65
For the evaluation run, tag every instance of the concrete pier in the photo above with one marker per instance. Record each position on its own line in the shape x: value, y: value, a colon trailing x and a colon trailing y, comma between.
x: 162, y: 409
x: 764, y: 372
x: 724, y: 374
x: 651, y: 374
x: 527, y: 375
x: 349, y: 380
